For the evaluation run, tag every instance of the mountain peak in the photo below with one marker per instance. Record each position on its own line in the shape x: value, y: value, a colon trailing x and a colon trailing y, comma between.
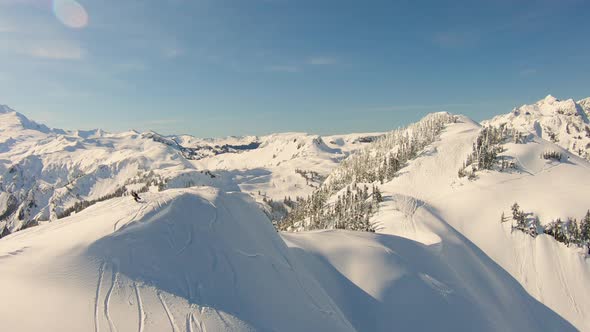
x: 15, y: 120
x: 550, y: 99
x: 4, y: 109
x: 563, y: 122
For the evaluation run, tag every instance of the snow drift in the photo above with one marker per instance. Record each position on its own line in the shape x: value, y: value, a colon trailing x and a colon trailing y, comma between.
x: 186, y: 260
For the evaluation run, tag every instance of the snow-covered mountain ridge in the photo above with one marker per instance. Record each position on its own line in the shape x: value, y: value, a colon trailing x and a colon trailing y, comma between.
x: 564, y: 122
x: 48, y: 173
x: 205, y: 258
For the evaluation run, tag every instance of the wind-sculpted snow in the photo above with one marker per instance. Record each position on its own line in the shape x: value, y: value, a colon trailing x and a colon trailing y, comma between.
x: 449, y: 285
x: 185, y: 260
x: 204, y: 260
x: 198, y: 254
x: 554, y: 274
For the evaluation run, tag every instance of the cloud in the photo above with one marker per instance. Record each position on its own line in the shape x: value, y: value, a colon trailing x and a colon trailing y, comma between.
x: 528, y: 72
x: 6, y: 28
x: 282, y: 68
x: 19, y: 2
x: 322, y: 60
x: 423, y: 107
x: 56, y: 52
x: 173, y: 52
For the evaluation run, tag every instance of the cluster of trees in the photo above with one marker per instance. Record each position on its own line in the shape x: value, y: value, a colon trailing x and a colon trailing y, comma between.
x: 570, y: 231
x: 351, y: 209
x: 486, y: 148
x: 277, y: 211
x: 554, y: 155
x: 380, y: 160
x: 147, y: 179
x: 81, y: 205
x: 377, y: 162
x: 310, y: 176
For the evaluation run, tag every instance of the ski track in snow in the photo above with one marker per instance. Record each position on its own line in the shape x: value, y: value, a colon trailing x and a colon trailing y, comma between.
x: 565, y: 287
x: 187, y: 243
x: 141, y: 209
x: 140, y: 310
x: 247, y: 254
x: 96, y: 299
x: 168, y: 313
x: 214, y: 220
x: 189, y: 324
x: 197, y: 322
x: 107, y: 300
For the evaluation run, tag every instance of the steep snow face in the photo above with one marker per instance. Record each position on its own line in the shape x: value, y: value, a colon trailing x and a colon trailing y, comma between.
x: 14, y: 122
x: 184, y: 260
x: 552, y: 273
x: 562, y: 122
x: 381, y: 281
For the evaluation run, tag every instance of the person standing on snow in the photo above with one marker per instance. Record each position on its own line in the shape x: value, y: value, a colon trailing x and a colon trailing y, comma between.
x: 136, y: 196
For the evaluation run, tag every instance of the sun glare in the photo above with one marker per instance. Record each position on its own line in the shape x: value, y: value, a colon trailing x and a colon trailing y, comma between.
x: 71, y: 13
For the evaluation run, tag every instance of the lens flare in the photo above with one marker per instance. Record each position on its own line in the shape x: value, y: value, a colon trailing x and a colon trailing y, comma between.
x: 70, y: 13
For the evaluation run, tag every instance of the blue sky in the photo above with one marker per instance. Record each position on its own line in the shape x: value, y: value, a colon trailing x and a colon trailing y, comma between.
x: 235, y: 67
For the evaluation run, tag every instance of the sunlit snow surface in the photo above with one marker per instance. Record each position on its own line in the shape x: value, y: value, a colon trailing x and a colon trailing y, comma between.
x: 208, y: 259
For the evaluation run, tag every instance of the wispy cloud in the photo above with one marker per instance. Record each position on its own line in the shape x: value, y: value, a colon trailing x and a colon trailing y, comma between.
x: 4, y: 28
x: 322, y: 61
x: 282, y: 68
x: 424, y: 107
x: 56, y: 52
x: 528, y: 72
x: 19, y: 2
x: 173, y: 52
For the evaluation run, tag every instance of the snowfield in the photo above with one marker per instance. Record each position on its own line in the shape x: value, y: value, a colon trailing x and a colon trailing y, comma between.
x: 45, y: 172
x: 187, y: 260
x: 198, y: 253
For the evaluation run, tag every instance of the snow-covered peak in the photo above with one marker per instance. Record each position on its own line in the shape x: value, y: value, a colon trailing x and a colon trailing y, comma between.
x: 585, y: 104
x: 564, y: 122
x: 5, y: 109
x: 550, y: 99
x: 11, y: 120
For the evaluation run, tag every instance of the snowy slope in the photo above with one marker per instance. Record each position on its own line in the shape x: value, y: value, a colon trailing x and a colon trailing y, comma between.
x: 207, y: 258
x: 204, y: 260
x: 186, y: 260
x: 47, y: 173
x: 564, y: 122
x: 554, y: 274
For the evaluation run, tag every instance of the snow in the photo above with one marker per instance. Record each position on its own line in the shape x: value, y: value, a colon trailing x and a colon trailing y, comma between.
x: 49, y: 170
x: 187, y: 260
x: 202, y: 256
x: 554, y: 274
x: 563, y: 121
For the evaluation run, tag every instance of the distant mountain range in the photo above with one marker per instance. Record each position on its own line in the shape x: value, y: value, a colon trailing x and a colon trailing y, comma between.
x: 447, y: 248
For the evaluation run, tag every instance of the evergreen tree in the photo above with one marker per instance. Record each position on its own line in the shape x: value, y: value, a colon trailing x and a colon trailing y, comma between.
x: 585, y: 231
